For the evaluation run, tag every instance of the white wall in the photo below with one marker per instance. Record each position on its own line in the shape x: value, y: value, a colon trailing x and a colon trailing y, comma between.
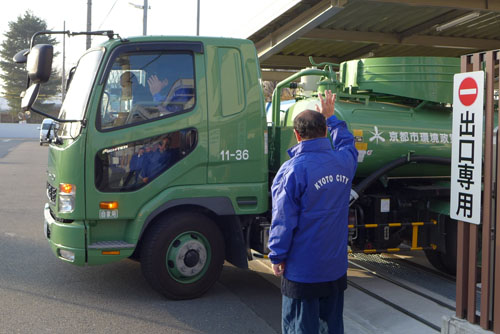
x: 15, y: 130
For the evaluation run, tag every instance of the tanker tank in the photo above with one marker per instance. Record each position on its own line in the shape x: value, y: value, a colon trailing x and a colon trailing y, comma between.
x: 400, y: 113
x: 387, y: 131
x: 395, y: 107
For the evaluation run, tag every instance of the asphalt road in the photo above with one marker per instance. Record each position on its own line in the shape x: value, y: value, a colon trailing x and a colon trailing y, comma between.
x: 6, y: 145
x: 41, y: 294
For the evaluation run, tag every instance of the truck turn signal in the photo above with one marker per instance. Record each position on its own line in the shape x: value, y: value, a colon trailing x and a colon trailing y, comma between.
x: 108, y: 205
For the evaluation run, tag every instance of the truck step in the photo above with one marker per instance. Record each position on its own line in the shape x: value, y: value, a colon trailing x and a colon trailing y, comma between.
x: 118, y: 244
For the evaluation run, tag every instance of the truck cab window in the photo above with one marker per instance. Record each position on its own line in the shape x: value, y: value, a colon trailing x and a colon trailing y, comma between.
x: 132, y: 165
x: 142, y: 87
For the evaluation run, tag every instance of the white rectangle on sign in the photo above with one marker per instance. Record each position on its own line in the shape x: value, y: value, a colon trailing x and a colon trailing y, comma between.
x: 467, y: 147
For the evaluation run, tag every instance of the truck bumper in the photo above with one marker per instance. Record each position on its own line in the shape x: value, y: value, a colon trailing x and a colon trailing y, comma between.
x: 67, y: 240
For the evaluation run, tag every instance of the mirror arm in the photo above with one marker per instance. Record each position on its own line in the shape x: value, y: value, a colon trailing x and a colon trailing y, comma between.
x: 109, y: 33
x: 57, y: 119
x: 46, y: 32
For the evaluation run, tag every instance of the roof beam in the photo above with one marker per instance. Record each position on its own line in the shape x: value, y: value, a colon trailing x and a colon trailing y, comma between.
x: 453, y: 42
x: 359, y: 53
x: 288, y: 33
x: 278, y: 61
x: 449, y: 16
x: 354, y: 36
x: 455, y: 4
x: 387, y: 38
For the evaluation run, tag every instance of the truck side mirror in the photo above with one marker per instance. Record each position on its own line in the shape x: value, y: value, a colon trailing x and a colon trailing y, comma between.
x: 39, y: 64
x: 21, y: 57
x: 29, y: 96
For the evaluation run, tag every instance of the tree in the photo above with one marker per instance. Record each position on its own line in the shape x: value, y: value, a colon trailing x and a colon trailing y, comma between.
x: 18, y: 38
x: 269, y: 86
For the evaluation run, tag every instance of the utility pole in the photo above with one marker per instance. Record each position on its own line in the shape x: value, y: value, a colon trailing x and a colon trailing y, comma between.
x: 198, y: 20
x: 63, y: 74
x: 89, y: 21
x: 145, y: 19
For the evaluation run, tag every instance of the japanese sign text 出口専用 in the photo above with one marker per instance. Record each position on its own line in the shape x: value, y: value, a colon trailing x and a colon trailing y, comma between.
x: 467, y: 147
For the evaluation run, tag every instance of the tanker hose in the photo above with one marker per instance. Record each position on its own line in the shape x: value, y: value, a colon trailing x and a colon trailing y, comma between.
x: 358, y: 189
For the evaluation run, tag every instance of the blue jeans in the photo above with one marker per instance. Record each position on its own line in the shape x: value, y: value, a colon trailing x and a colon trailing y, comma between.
x: 315, y: 315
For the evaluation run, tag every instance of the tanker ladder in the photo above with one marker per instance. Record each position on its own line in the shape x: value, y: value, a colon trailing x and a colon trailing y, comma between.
x: 414, y: 239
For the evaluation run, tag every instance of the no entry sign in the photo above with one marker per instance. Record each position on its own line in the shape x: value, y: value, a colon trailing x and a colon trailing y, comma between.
x: 467, y: 91
x: 467, y: 147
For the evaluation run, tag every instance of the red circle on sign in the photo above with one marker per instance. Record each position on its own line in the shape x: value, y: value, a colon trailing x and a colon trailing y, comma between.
x: 467, y: 91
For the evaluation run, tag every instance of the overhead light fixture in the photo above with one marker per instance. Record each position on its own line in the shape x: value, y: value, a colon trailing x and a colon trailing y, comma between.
x: 458, y: 21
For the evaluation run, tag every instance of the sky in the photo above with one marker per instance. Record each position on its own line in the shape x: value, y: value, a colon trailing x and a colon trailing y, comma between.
x: 220, y: 18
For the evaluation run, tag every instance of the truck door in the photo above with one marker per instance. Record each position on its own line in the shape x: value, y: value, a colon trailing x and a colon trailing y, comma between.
x: 237, y: 119
x: 237, y: 139
x: 148, y: 133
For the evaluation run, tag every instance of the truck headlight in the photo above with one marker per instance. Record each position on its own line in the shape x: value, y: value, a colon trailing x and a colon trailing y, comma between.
x: 66, y: 254
x: 66, y: 197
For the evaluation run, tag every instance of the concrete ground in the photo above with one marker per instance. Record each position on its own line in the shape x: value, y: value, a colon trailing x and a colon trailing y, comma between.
x: 39, y: 293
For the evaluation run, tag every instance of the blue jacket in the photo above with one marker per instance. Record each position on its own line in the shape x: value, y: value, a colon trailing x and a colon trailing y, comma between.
x: 156, y: 164
x: 136, y: 162
x: 310, y: 207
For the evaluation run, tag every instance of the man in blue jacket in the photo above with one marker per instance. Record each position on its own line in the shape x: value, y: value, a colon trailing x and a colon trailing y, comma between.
x: 308, y: 237
x: 158, y: 160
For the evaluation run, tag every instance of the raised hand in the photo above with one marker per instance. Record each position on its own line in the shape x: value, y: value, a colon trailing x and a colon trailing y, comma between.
x: 156, y: 85
x: 327, y: 108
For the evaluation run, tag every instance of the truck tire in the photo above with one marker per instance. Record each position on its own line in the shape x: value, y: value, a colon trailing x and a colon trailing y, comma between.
x: 182, y: 255
x: 446, y: 261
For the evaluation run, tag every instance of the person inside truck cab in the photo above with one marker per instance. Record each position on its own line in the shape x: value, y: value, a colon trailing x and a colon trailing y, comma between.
x: 132, y: 89
x: 135, y: 166
x: 158, y: 160
x: 156, y: 86
x: 177, y: 99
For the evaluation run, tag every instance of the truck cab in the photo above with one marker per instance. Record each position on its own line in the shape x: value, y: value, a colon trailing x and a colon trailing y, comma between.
x: 158, y: 154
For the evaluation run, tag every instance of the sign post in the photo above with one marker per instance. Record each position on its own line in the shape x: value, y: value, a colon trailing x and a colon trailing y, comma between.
x: 467, y: 147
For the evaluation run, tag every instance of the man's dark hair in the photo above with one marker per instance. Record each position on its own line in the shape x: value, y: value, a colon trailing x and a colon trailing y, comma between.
x: 310, y: 124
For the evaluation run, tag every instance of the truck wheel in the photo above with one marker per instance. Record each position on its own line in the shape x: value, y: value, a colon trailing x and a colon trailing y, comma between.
x: 182, y: 255
x: 446, y: 261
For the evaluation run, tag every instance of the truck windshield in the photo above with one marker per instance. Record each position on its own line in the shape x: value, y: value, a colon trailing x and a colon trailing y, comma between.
x: 78, y: 93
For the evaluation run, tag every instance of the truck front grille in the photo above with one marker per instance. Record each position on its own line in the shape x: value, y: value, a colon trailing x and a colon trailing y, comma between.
x: 51, y: 193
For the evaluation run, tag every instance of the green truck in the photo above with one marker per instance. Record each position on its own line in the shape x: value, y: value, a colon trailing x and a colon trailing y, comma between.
x: 162, y: 152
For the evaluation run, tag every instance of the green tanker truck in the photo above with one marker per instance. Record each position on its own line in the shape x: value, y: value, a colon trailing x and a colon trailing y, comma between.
x: 162, y: 152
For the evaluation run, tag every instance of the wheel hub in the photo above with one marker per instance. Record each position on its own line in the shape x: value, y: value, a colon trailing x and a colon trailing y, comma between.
x: 191, y: 258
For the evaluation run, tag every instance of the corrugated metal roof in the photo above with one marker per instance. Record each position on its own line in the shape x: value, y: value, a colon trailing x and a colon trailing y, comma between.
x: 339, y: 30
